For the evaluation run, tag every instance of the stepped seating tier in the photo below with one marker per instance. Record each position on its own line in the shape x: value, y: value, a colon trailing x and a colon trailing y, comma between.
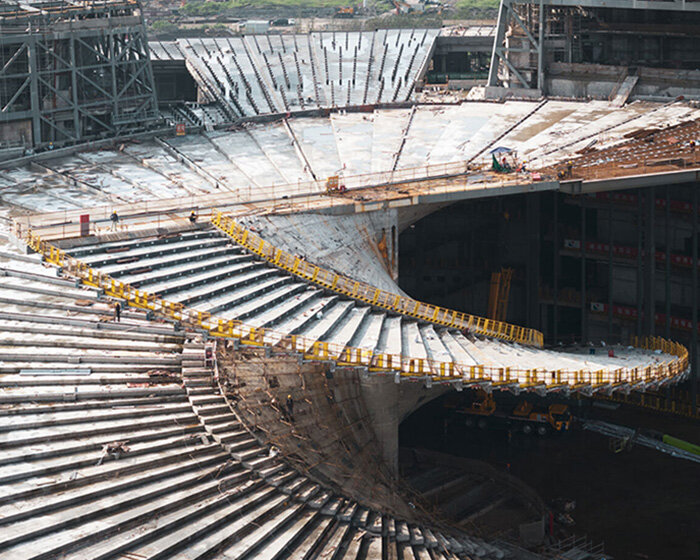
x: 148, y: 459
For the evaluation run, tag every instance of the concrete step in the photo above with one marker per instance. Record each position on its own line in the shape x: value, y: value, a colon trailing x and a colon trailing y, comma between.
x: 213, y: 411
x: 25, y: 437
x: 182, y: 491
x: 84, y: 251
x: 63, y: 467
x: 45, y: 419
x: 174, y: 531
x: 93, y: 483
x: 88, y: 441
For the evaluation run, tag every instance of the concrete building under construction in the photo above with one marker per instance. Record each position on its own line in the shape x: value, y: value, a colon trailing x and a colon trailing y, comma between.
x: 233, y: 268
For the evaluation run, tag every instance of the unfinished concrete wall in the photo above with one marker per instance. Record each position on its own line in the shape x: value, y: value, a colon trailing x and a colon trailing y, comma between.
x: 362, y: 246
x: 343, y: 428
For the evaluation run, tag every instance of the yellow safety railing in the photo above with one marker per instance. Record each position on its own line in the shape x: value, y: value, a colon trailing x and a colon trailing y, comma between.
x: 404, y: 366
x: 369, y: 294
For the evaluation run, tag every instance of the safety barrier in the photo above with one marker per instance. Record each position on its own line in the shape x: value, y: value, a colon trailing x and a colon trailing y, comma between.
x: 370, y: 294
x: 307, y: 195
x: 344, y: 356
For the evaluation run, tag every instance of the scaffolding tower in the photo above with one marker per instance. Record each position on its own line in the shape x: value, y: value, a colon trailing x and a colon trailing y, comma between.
x: 73, y: 71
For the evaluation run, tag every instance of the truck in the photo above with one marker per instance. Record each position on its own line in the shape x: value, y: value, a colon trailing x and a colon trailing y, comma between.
x: 483, y: 412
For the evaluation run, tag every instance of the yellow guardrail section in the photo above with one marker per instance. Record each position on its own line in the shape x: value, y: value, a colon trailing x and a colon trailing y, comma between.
x: 357, y: 357
x: 369, y: 294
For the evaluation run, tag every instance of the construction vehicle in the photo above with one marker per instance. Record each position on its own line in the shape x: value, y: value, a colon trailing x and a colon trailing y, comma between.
x: 344, y: 12
x: 526, y: 417
x: 334, y: 185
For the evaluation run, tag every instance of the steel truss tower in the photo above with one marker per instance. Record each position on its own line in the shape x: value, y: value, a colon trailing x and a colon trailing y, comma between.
x: 530, y: 34
x: 73, y: 71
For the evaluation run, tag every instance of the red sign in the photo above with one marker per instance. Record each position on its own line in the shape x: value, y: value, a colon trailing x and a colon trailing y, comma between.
x: 180, y: 129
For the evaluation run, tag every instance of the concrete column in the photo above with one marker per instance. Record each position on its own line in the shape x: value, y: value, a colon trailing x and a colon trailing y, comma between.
x: 584, y: 307
x: 640, y: 248
x: 555, y: 260
x: 388, y: 404
x: 694, y: 303
x: 533, y: 261
x: 650, y: 265
x: 667, y: 275
x: 610, y: 270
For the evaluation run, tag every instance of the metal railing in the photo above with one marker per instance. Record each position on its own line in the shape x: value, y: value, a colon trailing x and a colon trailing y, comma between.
x: 302, y: 195
x: 345, y: 356
x: 369, y: 294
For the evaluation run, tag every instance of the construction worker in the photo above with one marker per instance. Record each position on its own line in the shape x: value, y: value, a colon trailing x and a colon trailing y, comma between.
x: 290, y: 408
x: 117, y: 312
x: 569, y: 168
x: 115, y: 220
x: 193, y: 217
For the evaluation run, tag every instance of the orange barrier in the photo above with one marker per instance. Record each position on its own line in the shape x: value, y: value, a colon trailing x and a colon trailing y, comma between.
x: 344, y: 356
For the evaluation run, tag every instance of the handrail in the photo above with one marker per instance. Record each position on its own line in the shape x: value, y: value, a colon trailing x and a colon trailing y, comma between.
x: 345, y: 356
x: 371, y: 295
x: 313, y: 191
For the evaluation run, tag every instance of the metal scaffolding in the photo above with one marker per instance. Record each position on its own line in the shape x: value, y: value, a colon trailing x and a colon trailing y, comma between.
x: 533, y: 35
x: 73, y: 71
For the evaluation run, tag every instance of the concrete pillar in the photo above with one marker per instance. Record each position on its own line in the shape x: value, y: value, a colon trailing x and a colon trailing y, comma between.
x: 650, y: 265
x: 584, y: 307
x: 694, y: 303
x: 667, y: 275
x: 388, y: 404
x: 610, y: 270
x: 533, y: 261
x: 555, y: 260
x: 640, y: 249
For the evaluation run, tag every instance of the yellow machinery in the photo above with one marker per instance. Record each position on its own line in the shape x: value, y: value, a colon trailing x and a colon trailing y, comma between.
x: 498, y: 296
x: 483, y: 412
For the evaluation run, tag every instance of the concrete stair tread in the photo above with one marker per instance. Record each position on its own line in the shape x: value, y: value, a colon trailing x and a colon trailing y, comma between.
x: 85, y: 342
x: 322, y: 530
x: 29, y: 436
x: 174, y: 265
x: 226, y: 266
x: 44, y: 419
x: 174, y: 530
x: 19, y: 410
x: 105, y: 260
x: 238, y: 295
x: 231, y: 532
x: 92, y: 530
x: 57, y: 466
x: 244, y: 547
x: 86, y: 392
x: 103, y: 246
x: 100, y: 480
x: 229, y: 285
x: 278, y: 317
x: 253, y: 307
x: 222, y: 422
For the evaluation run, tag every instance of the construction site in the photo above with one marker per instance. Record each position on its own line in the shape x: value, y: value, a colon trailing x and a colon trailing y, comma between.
x: 394, y: 294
